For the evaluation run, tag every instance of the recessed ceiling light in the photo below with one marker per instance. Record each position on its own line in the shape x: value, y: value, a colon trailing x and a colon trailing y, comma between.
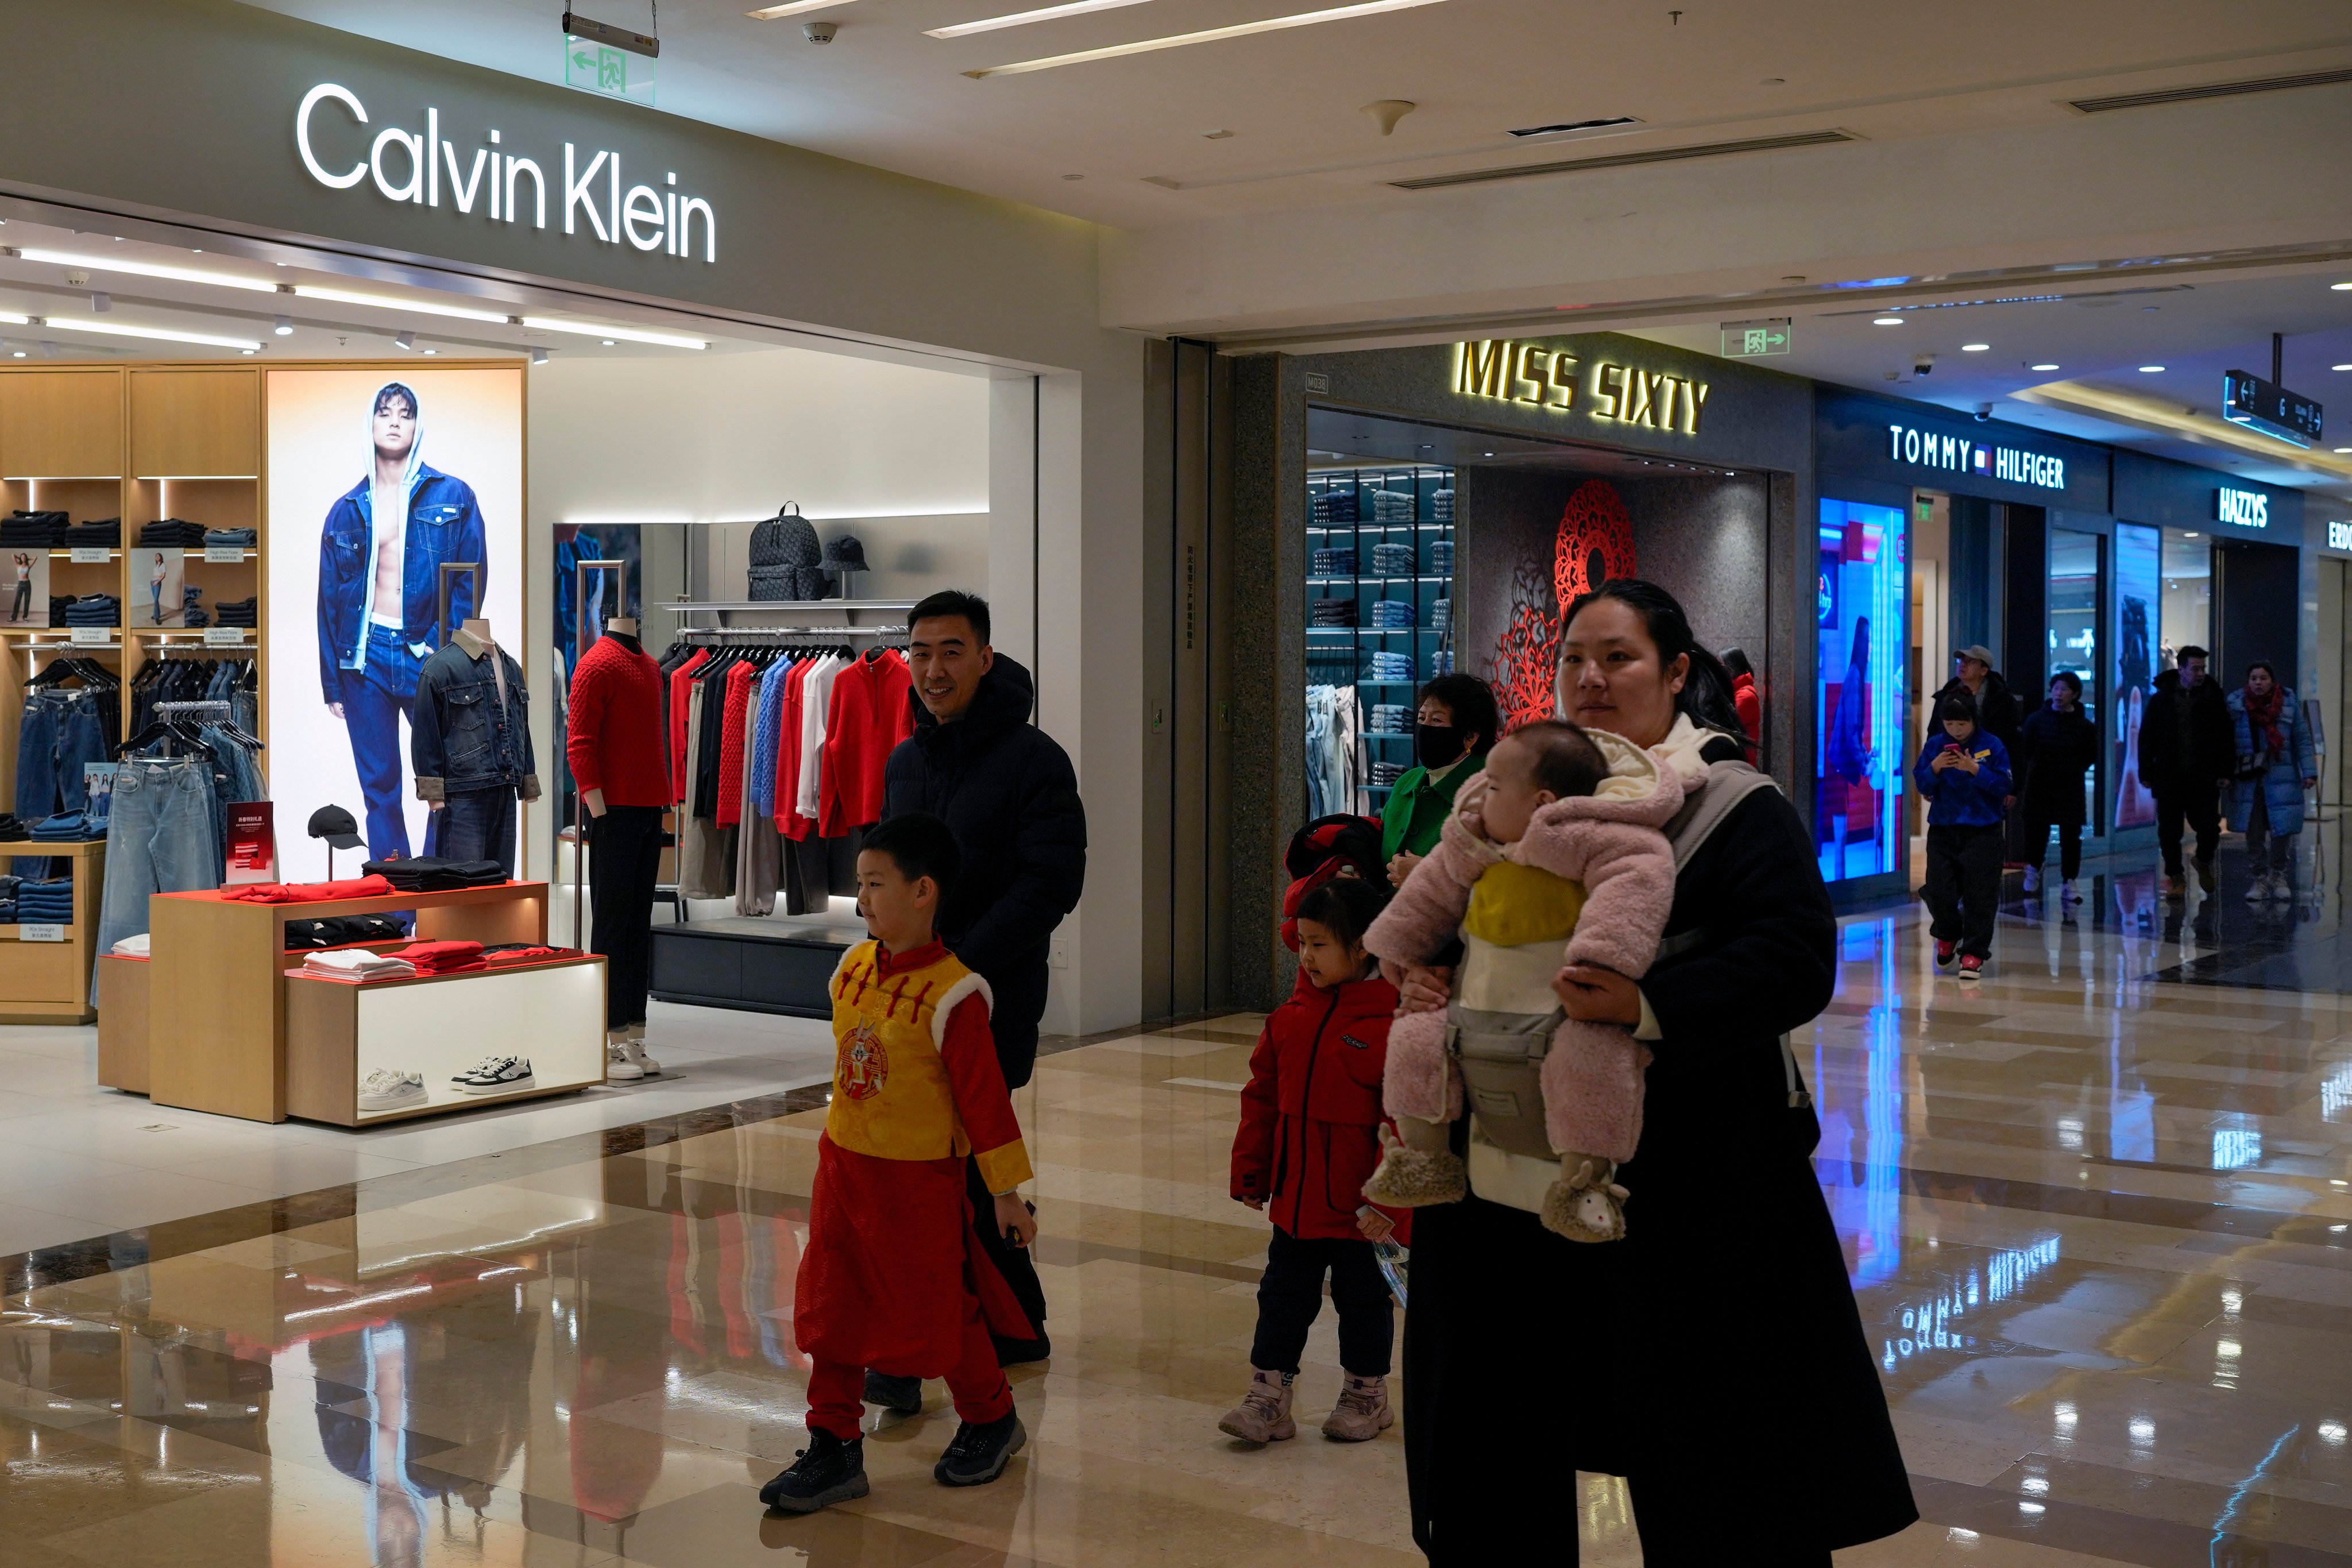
x: 249, y: 353
x: 2045, y: 364
x: 627, y: 334
x: 2191, y: 533
x: 1022, y: 19
x: 2150, y: 369
x: 2340, y: 367
x: 2341, y: 288
x: 432, y: 351
x: 1886, y: 321
x: 1213, y: 35
x: 1974, y: 348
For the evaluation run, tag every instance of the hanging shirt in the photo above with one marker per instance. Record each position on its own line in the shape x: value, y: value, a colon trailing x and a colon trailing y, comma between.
x: 869, y: 714
x: 816, y: 695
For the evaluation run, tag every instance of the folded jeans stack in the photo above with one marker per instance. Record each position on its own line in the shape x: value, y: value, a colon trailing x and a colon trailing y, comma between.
x: 1392, y: 614
x: 1441, y: 506
x: 1334, y: 561
x: 339, y: 931
x: 70, y: 827
x: 171, y: 531
x: 442, y: 957
x: 236, y: 612
x: 45, y: 903
x: 1389, y: 719
x: 1391, y: 506
x: 1441, y: 557
x: 1440, y: 662
x: 190, y: 615
x: 41, y: 528
x: 310, y: 892
x: 358, y: 964
x: 1330, y: 613
x: 432, y: 874
x: 1441, y: 615
x: 224, y: 538
x: 1387, y: 772
x: 1332, y: 508
x: 101, y: 532
x: 1394, y: 560
x: 94, y: 610
x: 1386, y: 666
x: 12, y: 828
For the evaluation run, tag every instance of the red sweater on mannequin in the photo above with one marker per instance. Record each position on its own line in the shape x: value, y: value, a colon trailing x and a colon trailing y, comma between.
x: 615, y: 740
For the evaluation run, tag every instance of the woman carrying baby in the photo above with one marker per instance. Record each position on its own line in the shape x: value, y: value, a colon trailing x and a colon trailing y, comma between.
x: 1713, y: 1355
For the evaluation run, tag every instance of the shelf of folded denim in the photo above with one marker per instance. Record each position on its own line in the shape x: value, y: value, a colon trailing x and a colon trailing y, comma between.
x: 47, y: 981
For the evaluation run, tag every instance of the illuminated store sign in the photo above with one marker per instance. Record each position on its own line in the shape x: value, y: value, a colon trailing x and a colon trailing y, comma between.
x: 2247, y: 509
x: 1959, y: 455
x: 408, y: 166
x: 2340, y: 536
x: 1538, y: 377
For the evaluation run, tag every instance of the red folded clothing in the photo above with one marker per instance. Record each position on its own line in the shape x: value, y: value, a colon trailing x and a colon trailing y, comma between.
x: 525, y: 955
x: 442, y: 957
x: 311, y: 892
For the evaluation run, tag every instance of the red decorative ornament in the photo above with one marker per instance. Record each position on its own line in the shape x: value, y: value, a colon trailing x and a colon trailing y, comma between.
x: 1594, y: 544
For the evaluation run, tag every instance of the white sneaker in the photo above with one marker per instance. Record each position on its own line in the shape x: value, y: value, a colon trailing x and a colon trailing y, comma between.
x: 2072, y: 894
x: 503, y: 1074
x: 2033, y: 879
x: 635, y: 1047
x: 388, y: 1088
x: 2282, y: 889
x: 2258, y: 890
x: 486, y: 1065
x: 618, y: 1067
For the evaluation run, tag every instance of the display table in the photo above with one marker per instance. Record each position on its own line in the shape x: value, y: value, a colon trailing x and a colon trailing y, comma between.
x: 219, y: 965
x: 339, y: 1031
x: 47, y: 981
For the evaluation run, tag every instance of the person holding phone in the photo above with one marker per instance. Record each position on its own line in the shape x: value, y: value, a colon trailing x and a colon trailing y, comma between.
x: 1964, y: 773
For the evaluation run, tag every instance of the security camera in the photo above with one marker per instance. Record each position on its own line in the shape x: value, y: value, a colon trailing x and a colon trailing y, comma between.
x: 820, y: 32
x: 1984, y: 412
x: 1923, y: 365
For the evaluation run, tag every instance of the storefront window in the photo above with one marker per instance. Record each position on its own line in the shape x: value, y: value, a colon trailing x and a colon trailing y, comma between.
x: 2073, y: 637
x: 2188, y: 568
x: 2138, y: 605
x: 1859, y: 698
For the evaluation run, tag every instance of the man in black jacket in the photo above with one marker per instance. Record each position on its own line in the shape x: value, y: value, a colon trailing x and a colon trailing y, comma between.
x: 2187, y: 749
x: 1007, y: 792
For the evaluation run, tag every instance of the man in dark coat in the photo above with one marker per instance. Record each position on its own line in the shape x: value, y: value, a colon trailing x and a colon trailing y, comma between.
x: 2188, y: 751
x: 1007, y: 792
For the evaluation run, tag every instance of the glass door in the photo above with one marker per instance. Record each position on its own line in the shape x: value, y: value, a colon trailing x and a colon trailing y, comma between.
x: 2076, y: 564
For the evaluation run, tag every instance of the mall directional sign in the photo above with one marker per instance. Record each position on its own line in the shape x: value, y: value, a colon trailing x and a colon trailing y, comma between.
x: 1754, y: 339
x: 2258, y: 405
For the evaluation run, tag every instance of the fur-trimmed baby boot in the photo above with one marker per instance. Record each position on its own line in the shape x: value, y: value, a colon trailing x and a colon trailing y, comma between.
x: 1586, y: 1203
x: 1418, y: 1169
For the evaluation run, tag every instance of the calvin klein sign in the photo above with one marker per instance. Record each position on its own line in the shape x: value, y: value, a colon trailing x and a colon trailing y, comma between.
x: 409, y: 166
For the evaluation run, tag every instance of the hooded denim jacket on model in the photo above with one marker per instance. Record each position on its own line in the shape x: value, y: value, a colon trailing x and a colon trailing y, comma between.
x: 464, y: 737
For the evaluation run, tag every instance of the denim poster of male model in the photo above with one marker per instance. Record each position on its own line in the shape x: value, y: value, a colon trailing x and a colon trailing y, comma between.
x: 402, y: 474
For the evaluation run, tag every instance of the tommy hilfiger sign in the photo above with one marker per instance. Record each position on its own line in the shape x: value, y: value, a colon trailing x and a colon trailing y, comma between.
x: 1614, y: 392
x: 1959, y: 455
x: 409, y: 166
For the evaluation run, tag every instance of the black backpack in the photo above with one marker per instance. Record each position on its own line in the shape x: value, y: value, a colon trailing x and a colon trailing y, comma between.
x: 785, y: 557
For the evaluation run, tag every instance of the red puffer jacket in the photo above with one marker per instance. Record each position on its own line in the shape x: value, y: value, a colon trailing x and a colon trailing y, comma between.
x: 1311, y: 1117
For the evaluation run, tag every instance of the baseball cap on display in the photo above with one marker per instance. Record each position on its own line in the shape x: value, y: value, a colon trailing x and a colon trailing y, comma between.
x: 334, y: 824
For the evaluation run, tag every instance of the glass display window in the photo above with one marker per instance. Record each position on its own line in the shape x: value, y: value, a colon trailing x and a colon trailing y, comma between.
x: 1860, y: 702
x: 2075, y: 563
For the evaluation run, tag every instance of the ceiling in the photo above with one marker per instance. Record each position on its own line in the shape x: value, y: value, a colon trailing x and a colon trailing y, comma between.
x: 1275, y: 120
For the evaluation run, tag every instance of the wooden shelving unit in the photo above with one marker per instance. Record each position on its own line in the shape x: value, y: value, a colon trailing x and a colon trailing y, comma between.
x: 48, y: 982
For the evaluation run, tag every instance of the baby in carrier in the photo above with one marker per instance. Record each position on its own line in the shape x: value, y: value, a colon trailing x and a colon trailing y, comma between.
x: 1554, y: 855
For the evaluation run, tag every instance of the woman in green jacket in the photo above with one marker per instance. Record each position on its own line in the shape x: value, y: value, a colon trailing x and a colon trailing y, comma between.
x: 1453, y: 731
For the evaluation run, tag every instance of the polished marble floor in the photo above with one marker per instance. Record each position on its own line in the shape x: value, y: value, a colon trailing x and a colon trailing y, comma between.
x: 2097, y: 1217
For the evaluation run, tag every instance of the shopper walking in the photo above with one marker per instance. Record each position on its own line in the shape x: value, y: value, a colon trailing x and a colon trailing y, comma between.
x: 1963, y: 772
x: 2276, y: 762
x: 1750, y: 952
x: 1008, y: 793
x: 2186, y: 758
x: 1457, y: 721
x: 2055, y: 748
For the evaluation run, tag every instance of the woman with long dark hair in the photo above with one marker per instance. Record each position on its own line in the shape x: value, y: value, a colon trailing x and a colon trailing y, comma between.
x: 1713, y: 1357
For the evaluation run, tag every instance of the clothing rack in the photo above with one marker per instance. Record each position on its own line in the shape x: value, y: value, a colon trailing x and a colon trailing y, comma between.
x: 716, y: 634
x: 206, y: 705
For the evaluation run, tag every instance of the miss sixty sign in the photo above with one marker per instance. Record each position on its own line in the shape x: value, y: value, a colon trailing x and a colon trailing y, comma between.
x: 408, y: 167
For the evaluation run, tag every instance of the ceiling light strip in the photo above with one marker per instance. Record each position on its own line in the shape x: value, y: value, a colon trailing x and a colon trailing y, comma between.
x: 1214, y: 34
x: 1022, y: 19
x: 386, y: 303
x: 147, y: 270
x: 160, y: 334
x: 770, y: 12
x: 627, y: 334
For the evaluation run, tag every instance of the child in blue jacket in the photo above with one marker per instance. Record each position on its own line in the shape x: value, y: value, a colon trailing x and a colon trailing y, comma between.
x: 1963, y: 772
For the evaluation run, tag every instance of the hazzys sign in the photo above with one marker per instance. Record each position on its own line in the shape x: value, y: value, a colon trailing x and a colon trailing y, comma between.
x: 423, y: 168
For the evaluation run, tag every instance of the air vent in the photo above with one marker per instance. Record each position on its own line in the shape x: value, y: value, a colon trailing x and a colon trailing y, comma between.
x: 1627, y: 160
x: 1578, y: 125
x: 2210, y: 90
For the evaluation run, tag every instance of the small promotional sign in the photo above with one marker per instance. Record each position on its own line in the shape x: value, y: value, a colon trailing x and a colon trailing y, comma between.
x: 252, y: 844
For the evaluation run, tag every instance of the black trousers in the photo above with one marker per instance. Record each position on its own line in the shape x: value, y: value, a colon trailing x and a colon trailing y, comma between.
x: 2037, y: 842
x: 1964, y: 885
x: 1290, y: 1297
x: 624, y: 847
x: 2200, y: 806
x: 1014, y: 1263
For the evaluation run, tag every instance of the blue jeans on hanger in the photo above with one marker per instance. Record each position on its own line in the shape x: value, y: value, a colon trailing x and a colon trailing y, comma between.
x: 159, y: 840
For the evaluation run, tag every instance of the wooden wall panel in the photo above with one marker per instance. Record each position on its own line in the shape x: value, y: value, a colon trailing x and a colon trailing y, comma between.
x: 195, y: 422
x: 60, y: 423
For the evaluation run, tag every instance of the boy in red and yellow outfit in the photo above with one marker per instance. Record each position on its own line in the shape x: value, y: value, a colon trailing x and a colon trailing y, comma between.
x: 886, y: 1282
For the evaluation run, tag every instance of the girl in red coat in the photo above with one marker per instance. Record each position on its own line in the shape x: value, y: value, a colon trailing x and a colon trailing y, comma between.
x: 1309, y: 1138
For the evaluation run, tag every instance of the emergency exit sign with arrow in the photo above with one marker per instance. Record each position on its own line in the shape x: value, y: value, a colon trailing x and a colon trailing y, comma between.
x: 1754, y: 339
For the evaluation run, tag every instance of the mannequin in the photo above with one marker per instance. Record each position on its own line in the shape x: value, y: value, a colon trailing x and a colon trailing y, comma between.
x: 617, y: 744
x: 471, y: 744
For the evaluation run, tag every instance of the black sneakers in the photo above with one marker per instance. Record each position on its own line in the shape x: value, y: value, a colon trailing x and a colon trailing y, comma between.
x: 825, y: 1472
x: 903, y: 1394
x: 1019, y: 1352
x: 978, y: 1455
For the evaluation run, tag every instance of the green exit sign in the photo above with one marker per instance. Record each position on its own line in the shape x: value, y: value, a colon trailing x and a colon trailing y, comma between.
x: 597, y: 67
x: 1754, y: 339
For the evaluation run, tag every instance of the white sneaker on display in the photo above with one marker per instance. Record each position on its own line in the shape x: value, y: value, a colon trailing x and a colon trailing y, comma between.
x: 618, y: 1067
x: 480, y: 1067
x: 388, y: 1088
x: 501, y: 1075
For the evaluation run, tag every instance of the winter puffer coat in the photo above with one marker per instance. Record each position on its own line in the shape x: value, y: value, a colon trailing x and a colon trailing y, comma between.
x: 1311, y: 1117
x: 1006, y: 790
x: 2280, y: 778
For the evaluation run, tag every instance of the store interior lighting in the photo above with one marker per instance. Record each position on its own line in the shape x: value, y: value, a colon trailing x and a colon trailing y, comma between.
x: 791, y: 8
x: 1886, y: 321
x: 1213, y: 35
x: 404, y: 339
x: 386, y: 303
x: 283, y: 327
x: 157, y: 334
x: 148, y: 270
x: 627, y: 334
x: 1022, y: 19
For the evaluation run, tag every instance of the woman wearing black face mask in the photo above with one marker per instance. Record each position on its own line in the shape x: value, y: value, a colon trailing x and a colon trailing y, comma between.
x: 1455, y: 727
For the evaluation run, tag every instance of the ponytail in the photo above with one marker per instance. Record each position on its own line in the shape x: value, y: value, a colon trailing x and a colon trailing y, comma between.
x: 1705, y: 697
